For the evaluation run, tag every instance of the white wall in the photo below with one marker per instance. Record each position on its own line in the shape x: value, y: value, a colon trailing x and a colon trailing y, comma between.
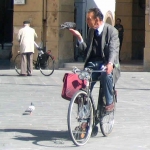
x: 106, y: 5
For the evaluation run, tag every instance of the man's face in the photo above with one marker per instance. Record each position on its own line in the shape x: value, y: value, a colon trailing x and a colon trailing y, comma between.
x: 91, y: 21
x: 117, y: 21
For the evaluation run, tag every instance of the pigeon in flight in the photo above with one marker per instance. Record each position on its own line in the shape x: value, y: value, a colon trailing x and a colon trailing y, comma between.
x: 67, y: 25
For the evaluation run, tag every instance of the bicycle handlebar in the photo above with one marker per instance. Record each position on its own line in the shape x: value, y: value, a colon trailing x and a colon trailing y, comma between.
x: 36, y: 44
x: 76, y: 70
x: 87, y: 72
x: 39, y: 48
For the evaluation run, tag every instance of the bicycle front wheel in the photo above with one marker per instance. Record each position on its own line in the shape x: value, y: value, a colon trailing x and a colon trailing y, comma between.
x: 80, y: 118
x: 17, y: 63
x: 48, y: 68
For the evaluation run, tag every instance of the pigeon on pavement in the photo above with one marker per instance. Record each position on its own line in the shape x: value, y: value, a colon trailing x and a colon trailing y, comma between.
x: 31, y: 108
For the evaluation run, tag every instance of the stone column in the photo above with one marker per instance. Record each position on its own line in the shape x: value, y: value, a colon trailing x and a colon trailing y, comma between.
x: 147, y: 37
x: 60, y: 42
x: 124, y: 12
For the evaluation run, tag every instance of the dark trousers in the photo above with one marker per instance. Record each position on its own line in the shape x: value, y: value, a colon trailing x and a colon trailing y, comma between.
x: 120, y: 40
x: 107, y: 84
x: 27, y: 63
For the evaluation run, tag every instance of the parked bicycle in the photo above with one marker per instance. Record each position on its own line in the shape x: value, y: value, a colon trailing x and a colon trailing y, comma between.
x: 84, y: 115
x: 44, y: 63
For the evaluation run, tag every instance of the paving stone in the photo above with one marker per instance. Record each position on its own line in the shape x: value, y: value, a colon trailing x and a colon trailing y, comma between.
x: 46, y: 127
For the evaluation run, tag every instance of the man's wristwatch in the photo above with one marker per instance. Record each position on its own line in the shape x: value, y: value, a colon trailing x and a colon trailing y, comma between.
x: 111, y: 63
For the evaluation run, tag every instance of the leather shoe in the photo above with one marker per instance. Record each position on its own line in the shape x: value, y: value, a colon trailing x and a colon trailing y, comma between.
x: 109, y: 107
x: 29, y: 75
x: 22, y: 75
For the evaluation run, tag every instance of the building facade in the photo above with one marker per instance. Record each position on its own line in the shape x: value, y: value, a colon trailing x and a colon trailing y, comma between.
x: 132, y: 14
x: 135, y: 15
x: 47, y: 15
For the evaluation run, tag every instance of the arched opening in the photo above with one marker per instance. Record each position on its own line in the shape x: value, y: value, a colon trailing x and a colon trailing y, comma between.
x: 109, y: 18
x: 109, y: 21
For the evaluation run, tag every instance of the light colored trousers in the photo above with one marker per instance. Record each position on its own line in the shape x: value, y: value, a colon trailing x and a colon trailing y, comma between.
x: 27, y: 63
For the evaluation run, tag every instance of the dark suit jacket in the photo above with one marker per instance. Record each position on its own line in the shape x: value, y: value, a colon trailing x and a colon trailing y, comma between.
x: 109, y: 45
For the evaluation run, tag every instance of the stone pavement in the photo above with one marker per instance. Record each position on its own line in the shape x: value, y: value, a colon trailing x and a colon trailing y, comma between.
x: 46, y: 127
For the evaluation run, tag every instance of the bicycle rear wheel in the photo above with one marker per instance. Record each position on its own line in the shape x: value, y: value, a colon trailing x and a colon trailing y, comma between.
x: 17, y: 63
x: 48, y: 68
x: 107, y: 123
x: 107, y: 119
x: 80, y: 118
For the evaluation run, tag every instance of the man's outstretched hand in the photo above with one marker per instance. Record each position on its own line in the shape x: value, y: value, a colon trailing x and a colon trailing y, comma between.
x: 76, y: 34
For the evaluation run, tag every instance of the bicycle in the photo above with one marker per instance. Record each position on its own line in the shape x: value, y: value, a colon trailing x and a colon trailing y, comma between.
x: 45, y: 62
x: 84, y: 115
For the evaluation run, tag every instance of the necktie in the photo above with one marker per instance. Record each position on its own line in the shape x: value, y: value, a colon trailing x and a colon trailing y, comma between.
x: 96, y: 32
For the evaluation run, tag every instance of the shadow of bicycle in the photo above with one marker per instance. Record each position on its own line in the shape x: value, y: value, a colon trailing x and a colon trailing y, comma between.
x: 43, y: 138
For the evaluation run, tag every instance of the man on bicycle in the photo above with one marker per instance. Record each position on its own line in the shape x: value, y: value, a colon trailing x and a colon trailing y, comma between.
x: 101, y: 47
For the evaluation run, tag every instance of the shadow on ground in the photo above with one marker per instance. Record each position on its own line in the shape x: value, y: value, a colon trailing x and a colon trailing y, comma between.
x: 38, y: 137
x: 133, y: 89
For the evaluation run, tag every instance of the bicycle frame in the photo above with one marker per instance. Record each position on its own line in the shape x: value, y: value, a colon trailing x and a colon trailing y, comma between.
x: 88, y: 78
x: 45, y: 62
x: 41, y: 51
x: 84, y: 115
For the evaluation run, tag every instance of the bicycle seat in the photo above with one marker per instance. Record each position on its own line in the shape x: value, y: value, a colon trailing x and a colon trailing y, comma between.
x: 94, y: 65
x: 90, y: 65
x: 67, y: 25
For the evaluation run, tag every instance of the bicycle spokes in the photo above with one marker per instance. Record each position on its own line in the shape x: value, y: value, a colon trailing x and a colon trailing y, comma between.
x: 80, y: 119
x: 47, y: 65
x: 107, y: 123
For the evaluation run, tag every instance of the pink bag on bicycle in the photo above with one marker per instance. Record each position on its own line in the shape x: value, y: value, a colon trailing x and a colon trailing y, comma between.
x: 71, y: 85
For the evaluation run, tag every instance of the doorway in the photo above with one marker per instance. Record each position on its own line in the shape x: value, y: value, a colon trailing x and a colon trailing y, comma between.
x: 6, y: 28
x: 79, y: 18
x: 138, y: 29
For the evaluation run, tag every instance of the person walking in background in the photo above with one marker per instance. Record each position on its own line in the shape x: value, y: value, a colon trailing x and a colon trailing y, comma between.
x: 26, y: 37
x: 120, y: 29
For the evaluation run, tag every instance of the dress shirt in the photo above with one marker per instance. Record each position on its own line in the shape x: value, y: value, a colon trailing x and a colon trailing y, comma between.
x: 100, y: 29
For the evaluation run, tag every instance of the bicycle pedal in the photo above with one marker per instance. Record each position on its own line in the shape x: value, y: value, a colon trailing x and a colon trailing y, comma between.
x: 82, y: 135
